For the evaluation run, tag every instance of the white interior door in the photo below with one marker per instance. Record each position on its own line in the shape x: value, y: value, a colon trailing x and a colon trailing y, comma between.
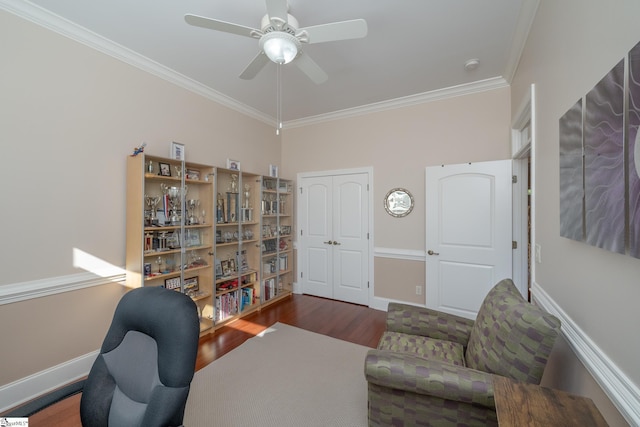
x: 334, y: 233
x: 468, y: 234
x: 316, y: 229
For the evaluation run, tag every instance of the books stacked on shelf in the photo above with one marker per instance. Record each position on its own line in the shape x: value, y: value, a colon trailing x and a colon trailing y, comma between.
x: 248, y: 298
x: 226, y: 306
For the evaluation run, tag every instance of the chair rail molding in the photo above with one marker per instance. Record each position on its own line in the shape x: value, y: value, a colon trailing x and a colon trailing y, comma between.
x: 624, y: 394
x: 23, y: 291
x: 405, y: 254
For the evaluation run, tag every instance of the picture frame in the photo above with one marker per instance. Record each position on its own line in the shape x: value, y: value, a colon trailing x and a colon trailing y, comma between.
x: 273, y: 171
x: 193, y: 174
x: 176, y: 151
x: 172, y: 283
x: 233, y: 165
x: 225, y: 268
x: 165, y: 169
x: 191, y: 284
x: 219, y: 271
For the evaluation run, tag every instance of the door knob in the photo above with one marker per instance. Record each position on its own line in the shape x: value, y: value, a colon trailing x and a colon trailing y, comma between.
x: 430, y: 252
x: 336, y: 243
x: 329, y: 242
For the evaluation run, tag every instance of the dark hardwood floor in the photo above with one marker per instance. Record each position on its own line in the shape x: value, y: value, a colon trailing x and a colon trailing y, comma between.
x: 348, y: 322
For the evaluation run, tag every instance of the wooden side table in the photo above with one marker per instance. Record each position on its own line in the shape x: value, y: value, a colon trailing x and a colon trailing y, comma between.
x: 529, y: 405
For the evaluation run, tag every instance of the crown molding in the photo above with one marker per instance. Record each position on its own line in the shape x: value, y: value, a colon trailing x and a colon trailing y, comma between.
x: 406, y: 101
x: 73, y: 31
x: 523, y: 26
x: 64, y: 27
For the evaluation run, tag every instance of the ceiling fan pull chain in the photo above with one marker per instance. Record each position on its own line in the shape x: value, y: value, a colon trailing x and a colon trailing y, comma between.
x: 278, y: 98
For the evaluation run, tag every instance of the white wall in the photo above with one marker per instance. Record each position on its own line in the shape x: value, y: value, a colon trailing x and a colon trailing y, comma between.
x: 398, y: 144
x: 572, y: 45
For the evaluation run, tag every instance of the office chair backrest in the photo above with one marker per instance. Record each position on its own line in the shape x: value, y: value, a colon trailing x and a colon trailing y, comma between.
x: 144, y: 370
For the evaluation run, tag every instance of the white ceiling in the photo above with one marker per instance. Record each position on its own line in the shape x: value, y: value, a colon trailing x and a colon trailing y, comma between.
x: 414, y: 48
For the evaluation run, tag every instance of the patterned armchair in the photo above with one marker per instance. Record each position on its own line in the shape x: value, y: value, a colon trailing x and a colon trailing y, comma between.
x: 436, y: 369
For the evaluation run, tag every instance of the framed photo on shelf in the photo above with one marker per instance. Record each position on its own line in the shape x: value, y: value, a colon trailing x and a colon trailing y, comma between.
x: 193, y: 174
x: 177, y: 151
x: 218, y: 268
x: 273, y: 171
x: 233, y: 164
x: 191, y: 284
x: 172, y: 283
x: 225, y: 268
x: 165, y: 169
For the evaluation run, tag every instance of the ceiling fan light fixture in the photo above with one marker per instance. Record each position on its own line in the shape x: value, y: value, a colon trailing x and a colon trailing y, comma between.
x: 280, y: 47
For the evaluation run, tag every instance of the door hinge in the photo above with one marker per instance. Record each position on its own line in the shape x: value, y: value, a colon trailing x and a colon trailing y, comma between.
x: 367, y: 285
x: 301, y: 274
x: 300, y: 190
x: 367, y: 187
x: 301, y: 232
x: 514, y: 179
x: 367, y: 236
x: 514, y: 245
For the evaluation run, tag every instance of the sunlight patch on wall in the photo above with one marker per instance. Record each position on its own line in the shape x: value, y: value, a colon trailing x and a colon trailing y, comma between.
x: 95, y: 265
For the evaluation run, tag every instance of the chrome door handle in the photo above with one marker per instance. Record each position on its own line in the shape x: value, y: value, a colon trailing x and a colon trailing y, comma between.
x: 328, y: 242
x: 430, y: 252
x: 336, y: 243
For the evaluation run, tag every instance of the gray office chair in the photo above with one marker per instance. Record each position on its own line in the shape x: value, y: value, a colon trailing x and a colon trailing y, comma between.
x: 144, y: 370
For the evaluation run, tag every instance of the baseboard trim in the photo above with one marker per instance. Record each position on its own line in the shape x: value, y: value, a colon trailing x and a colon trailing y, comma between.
x: 624, y: 394
x: 22, y: 291
x: 28, y: 388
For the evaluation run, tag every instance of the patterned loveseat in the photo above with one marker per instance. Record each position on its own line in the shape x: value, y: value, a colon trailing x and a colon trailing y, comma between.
x: 436, y: 369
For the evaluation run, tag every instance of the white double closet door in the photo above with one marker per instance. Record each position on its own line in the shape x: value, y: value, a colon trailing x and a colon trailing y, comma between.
x: 333, y: 222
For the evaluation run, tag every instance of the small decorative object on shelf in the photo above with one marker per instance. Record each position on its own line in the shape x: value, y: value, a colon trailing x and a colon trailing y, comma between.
x: 139, y: 149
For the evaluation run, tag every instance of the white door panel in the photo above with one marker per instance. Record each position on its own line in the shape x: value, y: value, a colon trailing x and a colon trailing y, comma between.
x: 468, y: 230
x: 315, y: 215
x: 334, y: 218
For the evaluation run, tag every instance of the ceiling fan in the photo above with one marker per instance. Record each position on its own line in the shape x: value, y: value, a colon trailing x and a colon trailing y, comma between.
x: 281, y: 39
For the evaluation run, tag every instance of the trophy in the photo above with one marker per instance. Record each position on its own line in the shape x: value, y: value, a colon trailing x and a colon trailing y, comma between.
x: 192, y: 205
x: 152, y: 203
x: 220, y: 209
x: 175, y: 196
x: 234, y: 184
x: 247, y: 212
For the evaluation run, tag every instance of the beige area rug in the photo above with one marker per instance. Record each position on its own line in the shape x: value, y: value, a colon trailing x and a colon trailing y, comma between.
x: 285, y: 377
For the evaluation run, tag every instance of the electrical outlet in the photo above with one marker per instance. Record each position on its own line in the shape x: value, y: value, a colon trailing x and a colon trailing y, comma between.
x: 418, y: 290
x: 538, y: 254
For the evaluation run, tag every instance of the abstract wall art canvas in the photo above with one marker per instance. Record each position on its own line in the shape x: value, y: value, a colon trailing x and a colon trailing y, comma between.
x: 604, y: 183
x: 600, y: 162
x: 571, y: 178
x: 634, y: 151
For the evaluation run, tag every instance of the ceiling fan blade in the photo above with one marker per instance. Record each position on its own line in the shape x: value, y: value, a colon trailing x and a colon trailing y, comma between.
x: 343, y: 30
x: 255, y: 66
x: 277, y: 11
x: 227, y: 27
x: 310, y: 68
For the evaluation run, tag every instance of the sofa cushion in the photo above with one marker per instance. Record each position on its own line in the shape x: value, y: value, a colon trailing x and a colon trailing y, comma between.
x: 511, y: 337
x: 431, y: 348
